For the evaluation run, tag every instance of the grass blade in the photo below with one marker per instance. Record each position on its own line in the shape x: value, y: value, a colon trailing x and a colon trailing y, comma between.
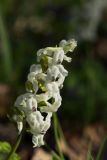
x: 101, y: 149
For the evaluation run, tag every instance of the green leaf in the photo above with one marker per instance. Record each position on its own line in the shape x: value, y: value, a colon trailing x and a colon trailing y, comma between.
x: 5, y: 149
x: 15, y: 157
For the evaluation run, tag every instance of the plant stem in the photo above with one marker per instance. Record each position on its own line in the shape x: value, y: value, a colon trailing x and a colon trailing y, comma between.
x: 61, y: 134
x: 56, y: 136
x: 15, y: 146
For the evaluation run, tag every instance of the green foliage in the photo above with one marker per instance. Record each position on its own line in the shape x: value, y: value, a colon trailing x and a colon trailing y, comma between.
x: 5, y: 149
x: 88, y: 85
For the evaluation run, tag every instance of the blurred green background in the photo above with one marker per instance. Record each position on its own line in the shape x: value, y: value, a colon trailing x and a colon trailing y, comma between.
x: 28, y: 25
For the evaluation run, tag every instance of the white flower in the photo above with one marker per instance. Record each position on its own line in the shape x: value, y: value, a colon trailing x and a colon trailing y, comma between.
x: 35, y: 73
x: 53, y: 92
x: 19, y: 120
x: 52, y: 73
x: 36, y: 68
x: 20, y: 101
x: 52, y: 89
x: 58, y: 56
x: 39, y: 54
x: 38, y: 140
x: 68, y: 45
x: 42, y: 97
x: 47, y: 122
x: 34, y: 79
x: 52, y: 107
x: 26, y: 103
x: 38, y: 126
x: 37, y: 123
x: 20, y: 126
x: 57, y: 73
x: 32, y: 76
x: 68, y: 59
x: 52, y: 53
x: 62, y: 70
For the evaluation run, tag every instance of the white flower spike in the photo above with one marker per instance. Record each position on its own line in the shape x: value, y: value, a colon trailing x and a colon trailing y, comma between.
x: 43, y: 90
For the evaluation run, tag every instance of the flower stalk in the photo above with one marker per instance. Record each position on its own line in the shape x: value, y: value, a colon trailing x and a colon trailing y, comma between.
x: 57, y: 137
x: 16, y: 145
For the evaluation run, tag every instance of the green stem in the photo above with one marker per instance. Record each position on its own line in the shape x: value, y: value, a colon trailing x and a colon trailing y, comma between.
x: 56, y: 136
x: 15, y: 146
x: 60, y: 130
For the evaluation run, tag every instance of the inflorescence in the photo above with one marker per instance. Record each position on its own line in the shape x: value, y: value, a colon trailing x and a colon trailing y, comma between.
x: 43, y: 90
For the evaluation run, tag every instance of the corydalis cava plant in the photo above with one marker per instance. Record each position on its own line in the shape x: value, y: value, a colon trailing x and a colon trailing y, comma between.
x: 43, y: 85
